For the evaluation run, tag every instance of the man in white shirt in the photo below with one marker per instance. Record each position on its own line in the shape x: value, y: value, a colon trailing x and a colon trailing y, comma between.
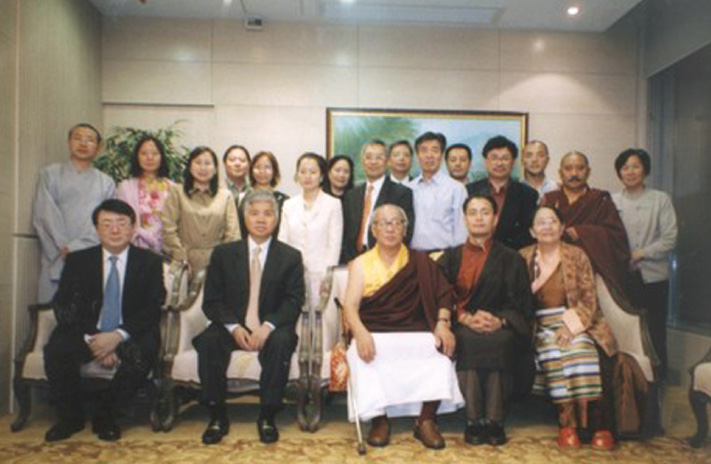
x: 535, y: 159
x: 438, y: 199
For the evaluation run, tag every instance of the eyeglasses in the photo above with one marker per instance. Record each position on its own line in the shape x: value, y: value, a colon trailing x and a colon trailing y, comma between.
x: 108, y: 224
x: 86, y: 140
x: 396, y: 223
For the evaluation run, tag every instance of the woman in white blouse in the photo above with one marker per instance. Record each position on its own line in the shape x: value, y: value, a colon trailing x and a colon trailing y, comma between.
x: 312, y: 221
x: 650, y: 222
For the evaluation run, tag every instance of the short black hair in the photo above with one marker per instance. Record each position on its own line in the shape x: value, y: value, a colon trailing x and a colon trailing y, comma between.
x: 189, y: 181
x: 499, y: 142
x: 320, y: 162
x: 643, y: 156
x: 85, y: 125
x: 404, y: 143
x: 458, y: 146
x: 332, y: 162
x: 236, y: 147
x: 481, y: 196
x: 136, y: 169
x: 114, y: 205
x: 427, y: 136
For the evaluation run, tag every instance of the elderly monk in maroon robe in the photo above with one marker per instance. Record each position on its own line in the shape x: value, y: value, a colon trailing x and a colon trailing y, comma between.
x: 593, y: 223
x: 397, y: 305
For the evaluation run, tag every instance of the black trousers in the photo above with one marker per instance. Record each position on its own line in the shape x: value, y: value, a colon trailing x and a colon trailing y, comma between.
x: 654, y: 297
x: 66, y: 351
x: 215, y: 346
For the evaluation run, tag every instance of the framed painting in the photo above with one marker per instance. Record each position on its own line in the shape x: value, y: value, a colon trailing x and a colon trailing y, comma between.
x: 347, y: 129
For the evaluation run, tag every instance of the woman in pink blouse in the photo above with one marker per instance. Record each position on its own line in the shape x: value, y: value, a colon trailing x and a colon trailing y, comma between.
x: 146, y: 190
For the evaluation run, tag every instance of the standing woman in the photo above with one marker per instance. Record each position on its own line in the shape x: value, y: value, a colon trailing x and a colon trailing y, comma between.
x: 264, y: 175
x: 146, y: 192
x: 650, y: 222
x: 340, y: 176
x: 236, y: 160
x: 312, y: 222
x: 572, y: 335
x: 198, y: 215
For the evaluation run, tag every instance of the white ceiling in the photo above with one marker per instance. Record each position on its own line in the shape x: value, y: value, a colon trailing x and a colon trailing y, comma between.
x: 595, y: 15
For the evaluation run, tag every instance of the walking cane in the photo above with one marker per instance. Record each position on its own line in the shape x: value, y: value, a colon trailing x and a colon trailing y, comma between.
x: 351, y: 396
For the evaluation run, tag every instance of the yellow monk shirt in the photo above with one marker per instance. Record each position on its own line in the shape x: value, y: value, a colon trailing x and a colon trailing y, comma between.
x: 376, y: 273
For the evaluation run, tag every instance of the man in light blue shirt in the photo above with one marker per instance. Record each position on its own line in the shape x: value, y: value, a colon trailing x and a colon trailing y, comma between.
x: 438, y: 199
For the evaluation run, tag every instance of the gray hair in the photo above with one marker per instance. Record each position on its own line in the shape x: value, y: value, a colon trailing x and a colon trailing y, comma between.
x: 260, y: 195
x: 400, y: 211
x: 376, y: 142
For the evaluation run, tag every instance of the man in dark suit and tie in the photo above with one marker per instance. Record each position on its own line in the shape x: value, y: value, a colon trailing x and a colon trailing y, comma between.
x: 516, y: 201
x: 360, y: 201
x: 253, y: 296
x: 108, y: 310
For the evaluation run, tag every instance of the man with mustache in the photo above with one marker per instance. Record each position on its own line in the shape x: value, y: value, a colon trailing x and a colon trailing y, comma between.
x: 593, y: 223
x: 591, y: 220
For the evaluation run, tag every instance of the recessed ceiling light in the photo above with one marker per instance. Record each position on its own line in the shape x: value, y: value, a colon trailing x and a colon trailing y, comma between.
x: 348, y: 1
x: 573, y: 11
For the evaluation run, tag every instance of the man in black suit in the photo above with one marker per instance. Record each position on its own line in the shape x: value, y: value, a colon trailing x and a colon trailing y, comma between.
x: 360, y: 202
x: 250, y: 310
x: 516, y: 202
x: 108, y: 310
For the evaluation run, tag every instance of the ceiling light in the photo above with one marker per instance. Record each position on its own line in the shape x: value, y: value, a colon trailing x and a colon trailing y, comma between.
x: 573, y: 11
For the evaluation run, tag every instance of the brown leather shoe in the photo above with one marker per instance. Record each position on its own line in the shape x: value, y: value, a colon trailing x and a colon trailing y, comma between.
x: 379, y: 434
x: 428, y: 433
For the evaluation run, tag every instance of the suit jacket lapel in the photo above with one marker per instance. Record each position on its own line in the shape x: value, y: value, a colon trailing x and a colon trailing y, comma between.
x: 95, y: 280
x: 489, y: 265
x: 129, y: 278
x: 269, y: 269
x: 512, y: 199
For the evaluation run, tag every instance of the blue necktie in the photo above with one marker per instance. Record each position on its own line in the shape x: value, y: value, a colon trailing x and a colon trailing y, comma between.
x: 111, y: 309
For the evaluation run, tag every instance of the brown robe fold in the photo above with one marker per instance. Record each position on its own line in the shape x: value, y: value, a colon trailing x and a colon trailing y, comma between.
x: 410, y: 301
x: 602, y: 233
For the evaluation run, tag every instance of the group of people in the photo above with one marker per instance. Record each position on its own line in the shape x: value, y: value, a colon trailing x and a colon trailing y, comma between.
x: 459, y: 293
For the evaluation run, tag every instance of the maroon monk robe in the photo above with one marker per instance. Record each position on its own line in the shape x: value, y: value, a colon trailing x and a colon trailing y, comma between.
x: 410, y: 301
x: 600, y: 230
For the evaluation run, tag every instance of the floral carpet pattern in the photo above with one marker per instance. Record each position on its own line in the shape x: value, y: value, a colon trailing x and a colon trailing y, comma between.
x: 531, y: 429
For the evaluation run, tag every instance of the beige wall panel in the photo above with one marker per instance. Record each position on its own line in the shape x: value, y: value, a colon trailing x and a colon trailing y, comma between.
x: 569, y: 52
x: 129, y: 38
x: 157, y: 82
x: 436, y: 89
x: 8, y: 16
x: 284, y: 85
x: 60, y: 85
x: 602, y: 138
x: 286, y: 131
x: 8, y: 89
x: 286, y: 43
x: 197, y: 123
x: 424, y: 47
x: 568, y: 93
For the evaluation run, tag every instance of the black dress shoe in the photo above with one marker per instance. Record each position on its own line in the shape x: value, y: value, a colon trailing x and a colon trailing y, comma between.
x: 216, y: 429
x: 105, y: 428
x: 63, y: 430
x: 475, y: 434
x: 495, y: 433
x: 268, y: 432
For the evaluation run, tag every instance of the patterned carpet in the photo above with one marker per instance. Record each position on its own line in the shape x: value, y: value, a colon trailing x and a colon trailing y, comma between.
x: 531, y: 431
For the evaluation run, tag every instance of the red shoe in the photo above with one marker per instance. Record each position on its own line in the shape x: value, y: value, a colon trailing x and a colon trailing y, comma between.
x: 603, y: 440
x: 568, y: 438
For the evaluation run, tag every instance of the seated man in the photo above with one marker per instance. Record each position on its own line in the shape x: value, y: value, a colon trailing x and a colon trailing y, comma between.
x: 250, y: 310
x: 494, y: 307
x: 397, y: 306
x: 108, y: 310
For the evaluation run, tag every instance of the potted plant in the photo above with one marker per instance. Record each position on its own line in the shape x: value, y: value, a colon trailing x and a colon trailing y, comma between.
x: 116, y: 160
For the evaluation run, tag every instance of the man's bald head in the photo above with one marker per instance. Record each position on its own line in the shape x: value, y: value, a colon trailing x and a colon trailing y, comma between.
x: 575, y: 153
